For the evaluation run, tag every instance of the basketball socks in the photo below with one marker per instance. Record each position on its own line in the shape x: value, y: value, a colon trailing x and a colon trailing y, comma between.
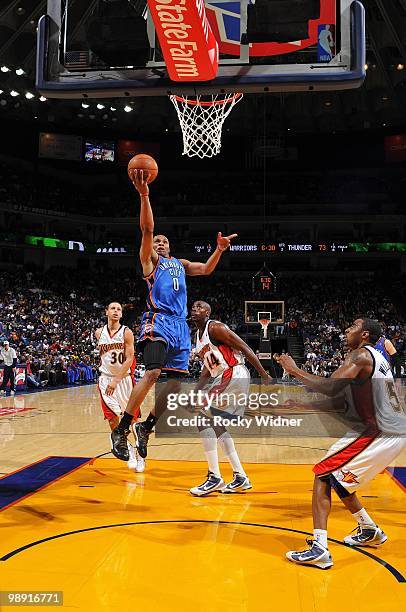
x: 320, y: 535
x: 209, y: 441
x: 149, y: 422
x: 126, y: 421
x: 362, y: 517
x: 227, y: 445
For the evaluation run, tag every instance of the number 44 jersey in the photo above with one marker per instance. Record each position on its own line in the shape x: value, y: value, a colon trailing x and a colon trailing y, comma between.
x: 112, y: 351
x: 216, y: 357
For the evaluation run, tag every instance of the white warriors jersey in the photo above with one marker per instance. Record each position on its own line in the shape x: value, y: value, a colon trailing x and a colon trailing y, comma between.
x: 112, y: 351
x: 216, y: 357
x: 376, y: 400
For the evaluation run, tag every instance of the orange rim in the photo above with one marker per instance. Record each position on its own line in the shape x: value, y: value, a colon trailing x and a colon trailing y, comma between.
x: 194, y: 102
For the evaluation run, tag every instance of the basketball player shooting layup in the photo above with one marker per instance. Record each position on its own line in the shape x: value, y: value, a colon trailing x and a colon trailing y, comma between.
x: 226, y: 380
x: 116, y: 348
x: 164, y: 334
x: 363, y: 384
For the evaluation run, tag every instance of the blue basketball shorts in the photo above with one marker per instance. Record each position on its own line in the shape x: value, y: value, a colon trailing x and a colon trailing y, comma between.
x: 174, y: 331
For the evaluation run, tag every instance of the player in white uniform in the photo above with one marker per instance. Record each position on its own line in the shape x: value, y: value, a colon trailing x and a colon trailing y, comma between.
x: 363, y: 385
x: 116, y: 348
x: 224, y: 377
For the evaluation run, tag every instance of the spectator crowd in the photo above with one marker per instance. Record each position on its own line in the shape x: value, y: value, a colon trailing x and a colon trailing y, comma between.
x: 50, y: 319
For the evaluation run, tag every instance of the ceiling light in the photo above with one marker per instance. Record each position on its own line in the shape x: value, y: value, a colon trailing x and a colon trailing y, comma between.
x: 5, y: 69
x: 400, y: 67
x: 84, y: 105
x: 42, y: 99
x: 128, y: 109
x: 366, y: 66
x: 19, y: 71
x: 14, y: 93
x: 3, y: 102
x: 29, y: 95
x: 100, y: 106
x: 112, y: 109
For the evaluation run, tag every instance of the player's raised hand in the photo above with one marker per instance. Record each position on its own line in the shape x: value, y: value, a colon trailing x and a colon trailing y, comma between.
x: 139, y: 179
x: 223, y: 242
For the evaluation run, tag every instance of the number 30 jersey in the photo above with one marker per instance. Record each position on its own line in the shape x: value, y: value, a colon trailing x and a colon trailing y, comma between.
x: 167, y: 288
x: 112, y: 351
x: 216, y: 357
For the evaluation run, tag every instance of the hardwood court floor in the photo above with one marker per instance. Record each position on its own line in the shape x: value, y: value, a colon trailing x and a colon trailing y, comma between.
x: 115, y: 540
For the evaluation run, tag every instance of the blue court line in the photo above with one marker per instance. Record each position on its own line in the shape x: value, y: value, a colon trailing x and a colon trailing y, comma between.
x: 34, y: 477
x: 399, y: 474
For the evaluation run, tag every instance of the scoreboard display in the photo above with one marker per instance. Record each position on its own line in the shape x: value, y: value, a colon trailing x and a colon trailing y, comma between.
x: 263, y: 282
x: 295, y: 248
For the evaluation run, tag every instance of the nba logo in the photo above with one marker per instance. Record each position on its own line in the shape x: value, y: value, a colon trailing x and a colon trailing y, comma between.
x: 326, y: 48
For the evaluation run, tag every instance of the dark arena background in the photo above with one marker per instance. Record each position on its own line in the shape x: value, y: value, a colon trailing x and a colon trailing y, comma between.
x: 311, y: 176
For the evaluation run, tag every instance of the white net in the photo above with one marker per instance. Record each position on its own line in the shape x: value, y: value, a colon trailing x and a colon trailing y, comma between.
x: 202, y: 122
x: 264, y: 319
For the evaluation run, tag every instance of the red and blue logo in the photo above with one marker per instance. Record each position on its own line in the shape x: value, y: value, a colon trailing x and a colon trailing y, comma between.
x: 225, y: 20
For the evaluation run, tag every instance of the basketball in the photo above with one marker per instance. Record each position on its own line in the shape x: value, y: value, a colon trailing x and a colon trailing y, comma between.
x: 144, y: 162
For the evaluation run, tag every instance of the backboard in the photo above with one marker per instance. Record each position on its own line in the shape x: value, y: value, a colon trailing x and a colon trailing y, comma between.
x: 274, y: 311
x: 109, y: 48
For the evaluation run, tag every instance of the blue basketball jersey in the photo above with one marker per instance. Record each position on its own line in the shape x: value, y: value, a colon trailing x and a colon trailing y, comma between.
x: 167, y: 288
x: 380, y: 347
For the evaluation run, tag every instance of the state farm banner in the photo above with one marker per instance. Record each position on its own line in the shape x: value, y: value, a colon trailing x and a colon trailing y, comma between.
x: 188, y: 45
x: 20, y: 377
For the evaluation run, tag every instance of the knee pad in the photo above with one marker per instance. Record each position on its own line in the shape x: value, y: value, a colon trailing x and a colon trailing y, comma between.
x: 155, y: 355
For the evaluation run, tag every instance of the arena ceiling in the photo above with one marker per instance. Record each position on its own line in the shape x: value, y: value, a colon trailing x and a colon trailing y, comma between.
x: 381, y: 102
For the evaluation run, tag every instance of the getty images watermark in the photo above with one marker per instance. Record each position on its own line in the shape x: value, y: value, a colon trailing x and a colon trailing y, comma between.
x: 230, y: 409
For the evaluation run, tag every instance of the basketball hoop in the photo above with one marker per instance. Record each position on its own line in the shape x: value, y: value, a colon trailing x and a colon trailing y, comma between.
x: 202, y: 122
x: 264, y: 319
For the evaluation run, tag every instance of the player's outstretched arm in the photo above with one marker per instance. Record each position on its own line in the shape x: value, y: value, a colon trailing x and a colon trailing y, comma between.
x: 148, y: 255
x: 389, y: 348
x: 195, y: 268
x: 222, y: 334
x: 333, y: 404
x: 354, y: 364
x: 129, y: 358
